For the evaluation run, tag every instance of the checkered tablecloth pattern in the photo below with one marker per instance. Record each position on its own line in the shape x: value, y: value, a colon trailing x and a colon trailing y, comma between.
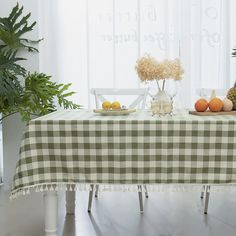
x: 80, y: 147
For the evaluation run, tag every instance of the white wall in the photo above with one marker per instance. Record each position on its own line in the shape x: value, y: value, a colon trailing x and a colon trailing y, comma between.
x: 12, y: 126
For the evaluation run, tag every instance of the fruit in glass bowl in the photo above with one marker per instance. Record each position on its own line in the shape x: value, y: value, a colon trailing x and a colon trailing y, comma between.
x: 106, y: 105
x: 116, y: 105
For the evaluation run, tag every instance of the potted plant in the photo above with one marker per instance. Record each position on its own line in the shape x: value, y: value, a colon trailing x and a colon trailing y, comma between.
x: 21, y: 91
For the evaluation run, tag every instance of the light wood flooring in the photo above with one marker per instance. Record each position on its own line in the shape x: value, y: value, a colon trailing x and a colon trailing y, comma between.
x: 117, y: 214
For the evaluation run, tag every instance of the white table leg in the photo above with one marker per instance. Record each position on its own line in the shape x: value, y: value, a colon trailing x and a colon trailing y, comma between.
x: 50, y: 213
x: 70, y: 202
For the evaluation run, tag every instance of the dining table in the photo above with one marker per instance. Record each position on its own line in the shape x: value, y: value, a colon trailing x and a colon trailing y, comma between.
x: 68, y: 150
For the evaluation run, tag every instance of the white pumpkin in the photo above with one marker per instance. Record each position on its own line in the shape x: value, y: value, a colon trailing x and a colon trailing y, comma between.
x: 227, y: 105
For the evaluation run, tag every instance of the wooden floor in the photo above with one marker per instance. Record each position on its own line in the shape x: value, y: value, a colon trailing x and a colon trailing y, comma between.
x: 117, y: 214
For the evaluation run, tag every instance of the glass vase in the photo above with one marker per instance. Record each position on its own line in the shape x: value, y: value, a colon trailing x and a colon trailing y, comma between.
x: 161, y: 104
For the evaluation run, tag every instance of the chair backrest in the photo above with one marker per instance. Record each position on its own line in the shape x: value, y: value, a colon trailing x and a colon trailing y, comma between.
x: 203, y: 92
x: 140, y: 101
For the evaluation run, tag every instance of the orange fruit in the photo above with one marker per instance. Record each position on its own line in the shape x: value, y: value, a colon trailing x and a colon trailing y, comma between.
x: 115, y: 105
x: 201, y: 104
x: 106, y: 105
x: 216, y: 104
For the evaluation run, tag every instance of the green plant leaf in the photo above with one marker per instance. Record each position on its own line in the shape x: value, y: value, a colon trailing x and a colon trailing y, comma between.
x: 41, y: 96
x: 38, y: 94
x: 8, y: 61
x: 13, y: 27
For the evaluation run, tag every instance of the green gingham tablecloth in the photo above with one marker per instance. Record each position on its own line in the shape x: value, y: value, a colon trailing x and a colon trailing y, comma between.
x: 75, y: 148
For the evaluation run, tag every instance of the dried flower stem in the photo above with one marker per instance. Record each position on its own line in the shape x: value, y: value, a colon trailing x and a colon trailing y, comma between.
x: 159, y: 88
x: 163, y: 84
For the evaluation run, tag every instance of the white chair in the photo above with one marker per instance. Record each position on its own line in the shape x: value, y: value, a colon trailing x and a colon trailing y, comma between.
x: 206, y: 93
x: 139, y: 102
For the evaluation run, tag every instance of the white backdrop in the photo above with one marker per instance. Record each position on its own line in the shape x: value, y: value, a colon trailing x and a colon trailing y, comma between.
x: 96, y: 43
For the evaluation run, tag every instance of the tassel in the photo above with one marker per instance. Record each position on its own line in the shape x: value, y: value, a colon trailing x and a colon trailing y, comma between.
x: 37, y: 189
x: 51, y: 188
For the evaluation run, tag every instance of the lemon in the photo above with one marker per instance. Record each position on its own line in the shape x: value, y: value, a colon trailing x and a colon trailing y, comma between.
x: 106, y: 105
x: 115, y: 105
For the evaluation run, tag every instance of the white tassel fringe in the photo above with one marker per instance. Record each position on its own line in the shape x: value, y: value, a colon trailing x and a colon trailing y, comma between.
x: 117, y: 188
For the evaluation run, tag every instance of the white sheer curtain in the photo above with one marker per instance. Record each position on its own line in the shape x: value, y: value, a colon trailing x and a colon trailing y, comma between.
x: 94, y: 43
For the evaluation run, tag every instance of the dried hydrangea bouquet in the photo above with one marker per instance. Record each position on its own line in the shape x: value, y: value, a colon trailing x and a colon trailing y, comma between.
x: 149, y: 69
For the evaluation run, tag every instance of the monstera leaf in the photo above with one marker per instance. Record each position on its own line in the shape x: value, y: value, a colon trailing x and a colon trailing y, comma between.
x: 10, y: 87
x: 8, y: 61
x: 13, y: 27
x: 9, y: 90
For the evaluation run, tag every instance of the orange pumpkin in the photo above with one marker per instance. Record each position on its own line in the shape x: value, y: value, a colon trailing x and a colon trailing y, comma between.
x: 216, y: 105
x: 201, y: 105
